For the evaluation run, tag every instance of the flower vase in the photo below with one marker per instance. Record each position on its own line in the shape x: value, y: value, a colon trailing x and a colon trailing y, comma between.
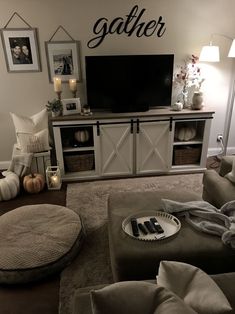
x: 197, y: 101
x: 185, y: 98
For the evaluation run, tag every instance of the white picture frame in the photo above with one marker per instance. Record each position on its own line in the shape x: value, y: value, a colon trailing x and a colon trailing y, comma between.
x: 71, y: 106
x: 21, y: 51
x: 63, y: 60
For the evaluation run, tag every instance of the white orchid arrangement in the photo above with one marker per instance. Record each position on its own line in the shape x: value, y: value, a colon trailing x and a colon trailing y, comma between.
x: 187, y: 76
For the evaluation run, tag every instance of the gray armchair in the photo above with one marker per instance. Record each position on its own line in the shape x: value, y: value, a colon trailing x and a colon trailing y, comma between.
x: 217, y: 189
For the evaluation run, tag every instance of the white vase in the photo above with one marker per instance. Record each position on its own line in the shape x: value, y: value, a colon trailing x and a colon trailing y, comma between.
x: 197, y: 100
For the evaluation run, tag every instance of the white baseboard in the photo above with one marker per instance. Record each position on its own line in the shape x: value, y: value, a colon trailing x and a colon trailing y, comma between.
x: 213, y: 152
x: 217, y: 151
x: 4, y: 165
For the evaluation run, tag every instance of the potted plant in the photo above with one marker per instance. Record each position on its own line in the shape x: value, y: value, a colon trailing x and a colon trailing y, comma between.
x: 55, y: 107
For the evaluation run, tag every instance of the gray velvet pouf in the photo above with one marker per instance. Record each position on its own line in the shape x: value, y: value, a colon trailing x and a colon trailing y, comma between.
x: 36, y: 241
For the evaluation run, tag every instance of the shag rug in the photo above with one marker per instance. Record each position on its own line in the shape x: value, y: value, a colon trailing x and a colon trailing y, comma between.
x: 89, y: 199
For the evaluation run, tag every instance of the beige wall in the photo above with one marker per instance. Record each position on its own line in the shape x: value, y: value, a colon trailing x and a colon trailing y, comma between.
x: 189, y: 24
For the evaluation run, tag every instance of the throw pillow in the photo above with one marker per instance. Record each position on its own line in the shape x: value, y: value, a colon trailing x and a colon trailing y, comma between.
x: 231, y: 174
x: 34, y: 143
x: 33, y: 124
x: 137, y: 297
x: 194, y: 287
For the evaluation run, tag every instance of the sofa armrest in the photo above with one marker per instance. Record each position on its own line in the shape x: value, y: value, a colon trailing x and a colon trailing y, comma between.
x: 226, y: 165
x: 226, y: 284
x: 217, y: 190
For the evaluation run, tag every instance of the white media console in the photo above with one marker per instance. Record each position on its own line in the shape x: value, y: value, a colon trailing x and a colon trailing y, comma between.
x: 131, y: 144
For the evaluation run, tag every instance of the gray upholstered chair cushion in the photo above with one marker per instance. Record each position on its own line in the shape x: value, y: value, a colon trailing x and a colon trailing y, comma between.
x: 197, y: 289
x: 226, y: 165
x: 36, y: 240
x: 225, y: 281
x: 137, y: 297
x: 217, y: 190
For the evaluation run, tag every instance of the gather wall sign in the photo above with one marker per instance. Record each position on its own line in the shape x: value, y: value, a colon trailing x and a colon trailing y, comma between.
x: 130, y: 24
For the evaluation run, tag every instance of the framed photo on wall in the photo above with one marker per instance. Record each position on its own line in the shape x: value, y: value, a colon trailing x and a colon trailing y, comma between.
x: 71, y: 106
x: 21, y: 49
x: 63, y: 60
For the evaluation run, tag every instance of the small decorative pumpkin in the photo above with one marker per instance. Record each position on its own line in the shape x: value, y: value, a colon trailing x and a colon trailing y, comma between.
x: 34, y: 183
x: 9, y: 186
x: 185, y: 133
x: 81, y: 136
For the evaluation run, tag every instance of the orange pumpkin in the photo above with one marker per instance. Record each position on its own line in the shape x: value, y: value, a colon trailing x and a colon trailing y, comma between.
x: 34, y: 183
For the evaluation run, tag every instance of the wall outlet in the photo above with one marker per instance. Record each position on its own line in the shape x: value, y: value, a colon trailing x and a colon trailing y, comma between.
x: 219, y: 138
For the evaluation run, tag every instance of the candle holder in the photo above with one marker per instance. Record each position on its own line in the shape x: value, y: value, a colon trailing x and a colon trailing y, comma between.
x: 74, y: 92
x: 53, y: 178
x: 59, y: 95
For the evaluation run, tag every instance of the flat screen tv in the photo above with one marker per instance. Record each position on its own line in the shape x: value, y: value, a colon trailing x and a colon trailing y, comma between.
x: 129, y: 83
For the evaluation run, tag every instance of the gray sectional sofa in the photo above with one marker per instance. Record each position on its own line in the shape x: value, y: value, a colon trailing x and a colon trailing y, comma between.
x: 217, y: 189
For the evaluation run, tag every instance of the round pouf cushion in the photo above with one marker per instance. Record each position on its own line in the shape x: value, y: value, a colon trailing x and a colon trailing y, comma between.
x: 37, y: 241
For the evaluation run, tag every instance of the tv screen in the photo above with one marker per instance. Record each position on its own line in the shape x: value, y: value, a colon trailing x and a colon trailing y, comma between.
x: 129, y: 83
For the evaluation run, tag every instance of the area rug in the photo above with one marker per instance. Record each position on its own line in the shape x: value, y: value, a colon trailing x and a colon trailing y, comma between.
x: 89, y: 199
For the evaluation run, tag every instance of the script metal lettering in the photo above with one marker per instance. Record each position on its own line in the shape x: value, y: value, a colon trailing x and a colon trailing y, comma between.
x: 129, y: 25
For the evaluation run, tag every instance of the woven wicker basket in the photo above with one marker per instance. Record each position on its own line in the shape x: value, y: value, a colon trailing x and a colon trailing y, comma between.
x: 187, y: 155
x: 74, y: 163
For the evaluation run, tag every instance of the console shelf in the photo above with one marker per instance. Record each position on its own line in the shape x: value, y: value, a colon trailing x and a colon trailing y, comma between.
x: 132, y: 144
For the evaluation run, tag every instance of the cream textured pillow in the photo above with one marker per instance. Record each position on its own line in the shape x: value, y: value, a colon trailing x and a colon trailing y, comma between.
x: 137, y: 297
x: 31, y: 125
x: 34, y: 143
x: 194, y: 287
x: 231, y: 174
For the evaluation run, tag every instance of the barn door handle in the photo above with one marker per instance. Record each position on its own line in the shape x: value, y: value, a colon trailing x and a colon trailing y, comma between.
x: 98, y: 128
x: 137, y: 126
x: 132, y: 124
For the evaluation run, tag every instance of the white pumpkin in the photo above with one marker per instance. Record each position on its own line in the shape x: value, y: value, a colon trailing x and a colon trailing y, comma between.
x: 9, y: 186
x: 186, y: 133
x: 81, y: 136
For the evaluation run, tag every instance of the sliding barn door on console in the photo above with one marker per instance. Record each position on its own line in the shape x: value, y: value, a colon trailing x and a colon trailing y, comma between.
x: 153, y: 146
x: 116, y: 149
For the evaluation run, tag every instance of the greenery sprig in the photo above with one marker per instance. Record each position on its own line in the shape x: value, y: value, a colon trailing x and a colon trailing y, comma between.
x: 55, y: 105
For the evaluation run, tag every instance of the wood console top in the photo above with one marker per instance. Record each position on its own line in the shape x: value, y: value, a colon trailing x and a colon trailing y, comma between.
x: 149, y: 113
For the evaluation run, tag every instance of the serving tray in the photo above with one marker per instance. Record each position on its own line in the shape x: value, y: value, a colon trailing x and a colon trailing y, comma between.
x: 170, y: 224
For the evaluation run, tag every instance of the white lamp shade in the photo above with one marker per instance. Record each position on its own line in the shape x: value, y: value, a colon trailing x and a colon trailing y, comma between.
x: 209, y: 54
x: 231, y: 53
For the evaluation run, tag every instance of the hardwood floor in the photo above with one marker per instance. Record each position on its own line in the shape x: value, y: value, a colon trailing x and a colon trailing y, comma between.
x: 42, y: 297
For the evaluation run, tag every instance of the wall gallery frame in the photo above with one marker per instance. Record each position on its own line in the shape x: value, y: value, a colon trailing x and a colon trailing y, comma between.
x: 21, y: 49
x: 63, y: 60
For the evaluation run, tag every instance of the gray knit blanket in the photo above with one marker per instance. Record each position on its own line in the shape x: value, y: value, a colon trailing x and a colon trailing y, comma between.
x: 21, y: 163
x: 205, y: 217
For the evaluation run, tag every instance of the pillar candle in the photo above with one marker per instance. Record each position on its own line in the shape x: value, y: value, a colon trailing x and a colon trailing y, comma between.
x: 73, y: 85
x: 57, y: 84
x: 55, y: 181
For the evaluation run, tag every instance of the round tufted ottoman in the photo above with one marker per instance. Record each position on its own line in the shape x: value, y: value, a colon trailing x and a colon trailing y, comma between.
x: 37, y: 241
